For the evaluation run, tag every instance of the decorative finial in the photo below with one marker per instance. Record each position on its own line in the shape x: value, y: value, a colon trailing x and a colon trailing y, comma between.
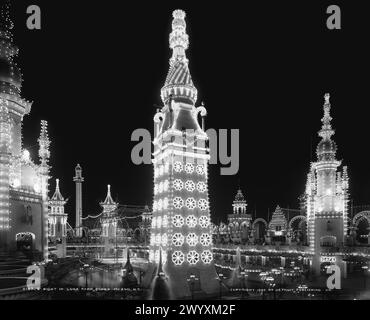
x: 179, y: 40
x: 327, y: 97
x: 326, y: 130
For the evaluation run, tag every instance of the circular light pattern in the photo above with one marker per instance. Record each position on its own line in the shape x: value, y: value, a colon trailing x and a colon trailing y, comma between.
x: 155, y: 189
x: 165, y: 185
x: 178, y: 184
x: 158, y: 239
x: 205, y: 239
x: 191, y: 221
x: 192, y: 239
x: 202, y: 204
x: 159, y: 222
x: 178, y: 221
x: 178, y: 203
x: 200, y: 169
x: 190, y: 203
x: 206, y: 256
x: 190, y: 185
x: 164, y: 240
x: 189, y: 168
x: 159, y: 204
x: 204, y: 221
x: 165, y: 203
x: 164, y: 221
x: 154, y: 206
x: 177, y: 166
x: 178, y: 258
x: 192, y: 257
x: 201, y: 186
x: 177, y: 239
x: 160, y: 187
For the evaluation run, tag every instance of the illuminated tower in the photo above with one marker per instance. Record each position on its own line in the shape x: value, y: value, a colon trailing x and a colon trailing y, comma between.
x: 181, y: 218
x: 44, y: 169
x: 108, y: 220
x: 327, y: 194
x: 58, y: 220
x: 78, y: 179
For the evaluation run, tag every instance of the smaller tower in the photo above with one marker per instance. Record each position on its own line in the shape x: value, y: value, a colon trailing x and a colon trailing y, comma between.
x: 44, y: 169
x: 239, y: 220
x: 58, y: 221
x: 78, y: 179
x: 108, y: 220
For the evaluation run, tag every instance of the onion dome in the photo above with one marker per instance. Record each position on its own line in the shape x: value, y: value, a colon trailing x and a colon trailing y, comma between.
x: 10, y: 74
x: 179, y: 84
x: 327, y: 148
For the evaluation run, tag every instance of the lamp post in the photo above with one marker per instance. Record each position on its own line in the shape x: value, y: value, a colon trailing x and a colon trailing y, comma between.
x: 192, y: 278
x: 85, y: 270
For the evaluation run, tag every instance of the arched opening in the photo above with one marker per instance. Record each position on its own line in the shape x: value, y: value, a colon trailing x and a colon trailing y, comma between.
x: 362, y: 230
x: 25, y: 241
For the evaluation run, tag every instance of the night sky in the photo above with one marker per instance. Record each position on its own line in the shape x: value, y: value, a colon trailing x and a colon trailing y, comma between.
x: 95, y: 71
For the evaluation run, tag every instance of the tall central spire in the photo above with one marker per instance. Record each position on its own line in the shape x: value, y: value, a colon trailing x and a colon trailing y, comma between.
x: 327, y: 148
x: 178, y: 84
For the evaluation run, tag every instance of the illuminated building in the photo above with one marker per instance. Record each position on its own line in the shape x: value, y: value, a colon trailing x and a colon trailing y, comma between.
x: 278, y: 226
x: 58, y: 221
x: 109, y: 218
x: 23, y: 184
x: 327, y: 194
x: 181, y: 227
x: 240, y: 220
x: 78, y: 179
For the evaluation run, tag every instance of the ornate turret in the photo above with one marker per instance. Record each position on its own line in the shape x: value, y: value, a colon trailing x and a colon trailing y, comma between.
x: 108, y: 204
x: 179, y: 84
x: 57, y: 198
x: 239, y: 204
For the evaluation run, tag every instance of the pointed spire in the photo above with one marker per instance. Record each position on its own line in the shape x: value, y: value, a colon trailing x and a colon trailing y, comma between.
x: 57, y: 195
x: 44, y: 142
x: 179, y: 84
x: 327, y: 148
x: 128, y: 267
x: 108, y: 205
x: 326, y: 130
x: 179, y: 39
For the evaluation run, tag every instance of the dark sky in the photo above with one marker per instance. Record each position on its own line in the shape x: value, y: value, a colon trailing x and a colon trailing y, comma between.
x: 95, y: 71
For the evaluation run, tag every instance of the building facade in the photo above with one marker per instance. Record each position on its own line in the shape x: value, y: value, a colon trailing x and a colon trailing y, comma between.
x: 23, y: 183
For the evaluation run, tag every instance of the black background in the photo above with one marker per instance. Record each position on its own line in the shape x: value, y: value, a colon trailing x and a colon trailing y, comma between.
x: 95, y: 70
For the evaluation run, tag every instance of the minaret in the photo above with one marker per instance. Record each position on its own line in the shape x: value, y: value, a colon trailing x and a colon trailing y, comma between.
x: 44, y: 169
x: 181, y: 227
x: 327, y: 194
x: 78, y: 179
x: 58, y: 221
x: 108, y: 220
